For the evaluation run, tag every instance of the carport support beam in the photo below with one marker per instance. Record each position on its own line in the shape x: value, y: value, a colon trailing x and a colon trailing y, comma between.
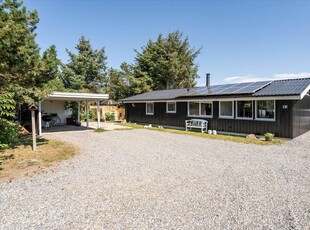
x: 79, y: 112
x: 87, y: 114
x: 40, y: 118
x: 98, y: 114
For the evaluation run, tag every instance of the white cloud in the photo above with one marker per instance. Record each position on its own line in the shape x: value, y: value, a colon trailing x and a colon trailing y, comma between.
x: 251, y: 78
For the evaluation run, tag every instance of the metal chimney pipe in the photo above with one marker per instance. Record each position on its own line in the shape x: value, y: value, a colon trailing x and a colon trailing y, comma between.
x: 208, y: 79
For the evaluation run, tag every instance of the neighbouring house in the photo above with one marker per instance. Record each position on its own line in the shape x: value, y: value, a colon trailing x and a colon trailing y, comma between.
x: 281, y: 107
x: 111, y: 106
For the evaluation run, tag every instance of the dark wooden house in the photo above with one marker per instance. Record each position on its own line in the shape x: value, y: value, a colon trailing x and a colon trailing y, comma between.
x: 281, y: 107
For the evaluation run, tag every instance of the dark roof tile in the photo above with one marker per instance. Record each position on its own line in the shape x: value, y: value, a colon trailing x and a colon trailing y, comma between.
x: 262, y: 88
x: 284, y: 87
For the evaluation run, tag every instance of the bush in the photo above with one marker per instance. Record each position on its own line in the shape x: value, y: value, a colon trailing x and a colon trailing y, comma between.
x: 8, y: 129
x: 8, y: 133
x: 110, y: 116
x: 268, y: 136
x: 92, y: 115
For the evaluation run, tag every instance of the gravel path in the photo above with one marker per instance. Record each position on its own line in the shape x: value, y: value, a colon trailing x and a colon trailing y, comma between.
x: 142, y: 179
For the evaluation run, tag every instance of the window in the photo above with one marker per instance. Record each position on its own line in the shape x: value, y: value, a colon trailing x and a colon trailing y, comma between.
x: 193, y: 108
x: 206, y: 109
x: 245, y: 109
x: 150, y: 108
x: 171, y: 107
x: 265, y: 110
x: 200, y: 109
x: 226, y: 109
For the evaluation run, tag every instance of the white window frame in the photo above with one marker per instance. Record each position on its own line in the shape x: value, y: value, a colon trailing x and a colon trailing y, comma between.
x: 233, y: 110
x: 146, y: 108
x: 206, y: 102
x: 244, y: 118
x: 199, y: 103
x: 265, y: 119
x: 175, y: 107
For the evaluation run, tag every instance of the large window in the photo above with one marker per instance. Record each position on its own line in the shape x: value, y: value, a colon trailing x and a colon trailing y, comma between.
x: 193, y: 108
x: 265, y: 110
x: 245, y: 109
x: 226, y: 109
x: 171, y: 107
x: 200, y: 109
x: 149, y: 108
x: 206, y: 109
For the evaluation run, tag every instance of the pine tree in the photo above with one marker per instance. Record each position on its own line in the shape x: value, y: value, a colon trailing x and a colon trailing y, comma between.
x: 169, y: 62
x: 23, y: 70
x: 86, y: 70
x: 127, y: 81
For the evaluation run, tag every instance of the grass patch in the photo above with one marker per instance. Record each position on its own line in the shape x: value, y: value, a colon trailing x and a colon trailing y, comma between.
x: 22, y: 161
x: 100, y: 130
x: 260, y: 141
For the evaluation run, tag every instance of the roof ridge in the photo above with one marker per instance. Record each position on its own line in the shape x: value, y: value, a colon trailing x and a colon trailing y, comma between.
x: 293, y: 79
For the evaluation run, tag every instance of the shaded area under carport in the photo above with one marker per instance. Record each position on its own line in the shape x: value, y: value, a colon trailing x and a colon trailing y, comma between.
x: 66, y: 128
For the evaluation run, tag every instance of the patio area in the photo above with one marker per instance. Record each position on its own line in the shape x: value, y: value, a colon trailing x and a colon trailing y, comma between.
x: 91, y: 127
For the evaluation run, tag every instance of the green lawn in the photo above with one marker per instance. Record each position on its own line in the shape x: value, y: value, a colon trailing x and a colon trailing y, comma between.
x: 20, y: 160
x: 260, y: 141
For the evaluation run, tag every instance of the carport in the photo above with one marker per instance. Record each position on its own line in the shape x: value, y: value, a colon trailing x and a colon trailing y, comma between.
x: 50, y: 102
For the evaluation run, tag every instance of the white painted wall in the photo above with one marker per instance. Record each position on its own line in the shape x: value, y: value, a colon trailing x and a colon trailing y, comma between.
x: 56, y: 107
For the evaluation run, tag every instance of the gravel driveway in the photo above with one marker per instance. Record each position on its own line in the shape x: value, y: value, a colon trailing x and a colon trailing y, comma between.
x: 142, y: 179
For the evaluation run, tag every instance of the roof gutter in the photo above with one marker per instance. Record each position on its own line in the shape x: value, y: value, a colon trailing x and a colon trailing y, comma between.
x: 292, y: 97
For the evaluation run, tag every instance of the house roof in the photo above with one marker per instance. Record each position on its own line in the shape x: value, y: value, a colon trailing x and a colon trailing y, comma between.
x: 285, y: 87
x: 289, y: 87
x: 167, y: 94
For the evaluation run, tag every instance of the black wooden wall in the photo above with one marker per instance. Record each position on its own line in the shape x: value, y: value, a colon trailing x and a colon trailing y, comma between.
x: 301, y: 116
x: 282, y: 127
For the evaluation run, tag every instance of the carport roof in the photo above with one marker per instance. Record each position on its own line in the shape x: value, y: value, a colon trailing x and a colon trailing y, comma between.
x: 64, y: 96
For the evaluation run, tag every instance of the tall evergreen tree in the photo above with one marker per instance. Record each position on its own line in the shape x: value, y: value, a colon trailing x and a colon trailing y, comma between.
x: 169, y: 62
x: 85, y: 70
x: 25, y: 75
x: 127, y: 81
x: 117, y: 85
x: 23, y: 70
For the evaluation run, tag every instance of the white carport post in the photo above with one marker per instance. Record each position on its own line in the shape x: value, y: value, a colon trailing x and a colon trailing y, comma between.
x: 87, y: 114
x: 79, y: 112
x: 40, y: 118
x: 98, y: 114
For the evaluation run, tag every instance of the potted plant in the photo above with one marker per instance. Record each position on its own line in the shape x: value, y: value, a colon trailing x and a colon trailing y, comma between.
x: 268, y: 136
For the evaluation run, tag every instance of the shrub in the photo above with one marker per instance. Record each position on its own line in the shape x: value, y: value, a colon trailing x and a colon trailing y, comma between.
x: 268, y: 136
x: 8, y: 129
x: 109, y: 116
x: 92, y: 115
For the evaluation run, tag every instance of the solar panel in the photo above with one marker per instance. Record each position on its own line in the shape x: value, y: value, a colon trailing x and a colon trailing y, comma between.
x: 253, y: 87
x: 239, y: 88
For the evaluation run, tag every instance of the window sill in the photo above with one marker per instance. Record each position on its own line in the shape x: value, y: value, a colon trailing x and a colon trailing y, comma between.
x: 223, y: 117
x: 245, y: 118
x: 200, y: 116
x: 265, y: 119
x: 149, y: 114
x: 171, y: 111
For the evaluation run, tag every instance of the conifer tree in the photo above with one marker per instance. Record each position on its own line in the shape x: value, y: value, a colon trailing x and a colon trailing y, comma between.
x: 127, y: 81
x: 23, y: 71
x: 169, y: 62
x: 85, y: 70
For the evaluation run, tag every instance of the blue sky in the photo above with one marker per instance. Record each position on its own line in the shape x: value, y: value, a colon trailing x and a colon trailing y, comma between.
x: 241, y: 40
